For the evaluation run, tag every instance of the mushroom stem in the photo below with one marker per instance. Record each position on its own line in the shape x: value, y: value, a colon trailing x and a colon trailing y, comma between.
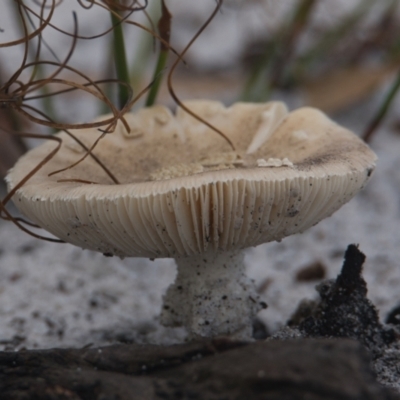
x: 212, y: 296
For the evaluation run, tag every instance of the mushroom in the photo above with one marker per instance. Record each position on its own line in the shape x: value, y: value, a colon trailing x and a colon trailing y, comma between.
x: 184, y: 193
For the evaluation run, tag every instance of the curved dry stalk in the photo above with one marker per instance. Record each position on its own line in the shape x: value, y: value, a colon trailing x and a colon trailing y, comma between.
x: 38, y: 166
x: 91, y: 83
x: 116, y: 114
x: 113, y: 4
x: 43, y: 4
x: 18, y: 221
x: 129, y: 105
x: 16, y: 99
x: 38, y: 48
x: 89, y: 151
x: 158, y: 37
x: 124, y: 19
x: 92, y: 3
x: 117, y: 6
x: 27, y: 37
x: 87, y: 7
x: 173, y: 68
x: 80, y: 143
x: 32, y: 35
x: 17, y: 73
x: 76, y: 180
x: 67, y: 58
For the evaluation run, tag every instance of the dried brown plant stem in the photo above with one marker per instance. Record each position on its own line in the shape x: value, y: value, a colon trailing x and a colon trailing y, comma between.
x: 175, y: 64
x: 16, y: 99
x: 17, y: 221
x: 35, y: 33
x: 121, y: 19
x: 89, y: 151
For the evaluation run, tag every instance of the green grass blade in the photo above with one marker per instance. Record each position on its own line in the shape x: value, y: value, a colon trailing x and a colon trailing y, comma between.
x: 120, y: 59
x: 383, y: 110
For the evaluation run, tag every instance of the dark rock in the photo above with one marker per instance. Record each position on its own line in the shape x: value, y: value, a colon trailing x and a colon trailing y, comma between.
x: 260, y: 331
x: 344, y: 309
x: 394, y: 316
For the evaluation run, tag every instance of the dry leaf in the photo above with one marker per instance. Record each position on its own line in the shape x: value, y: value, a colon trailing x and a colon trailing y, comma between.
x: 344, y: 87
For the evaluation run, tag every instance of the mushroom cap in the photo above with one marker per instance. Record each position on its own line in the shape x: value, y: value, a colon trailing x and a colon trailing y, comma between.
x: 184, y: 191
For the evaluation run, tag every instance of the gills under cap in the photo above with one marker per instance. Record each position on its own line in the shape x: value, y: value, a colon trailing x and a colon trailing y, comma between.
x: 184, y: 191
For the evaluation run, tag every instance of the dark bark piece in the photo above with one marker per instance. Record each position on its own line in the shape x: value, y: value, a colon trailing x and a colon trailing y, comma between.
x: 128, y: 359
x: 113, y: 372
x: 344, y: 309
x: 294, y: 369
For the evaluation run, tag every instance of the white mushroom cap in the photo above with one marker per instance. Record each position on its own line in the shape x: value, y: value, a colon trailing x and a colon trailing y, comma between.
x: 184, y: 191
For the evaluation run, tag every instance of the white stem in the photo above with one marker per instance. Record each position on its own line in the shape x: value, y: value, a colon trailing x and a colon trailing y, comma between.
x: 212, y: 296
